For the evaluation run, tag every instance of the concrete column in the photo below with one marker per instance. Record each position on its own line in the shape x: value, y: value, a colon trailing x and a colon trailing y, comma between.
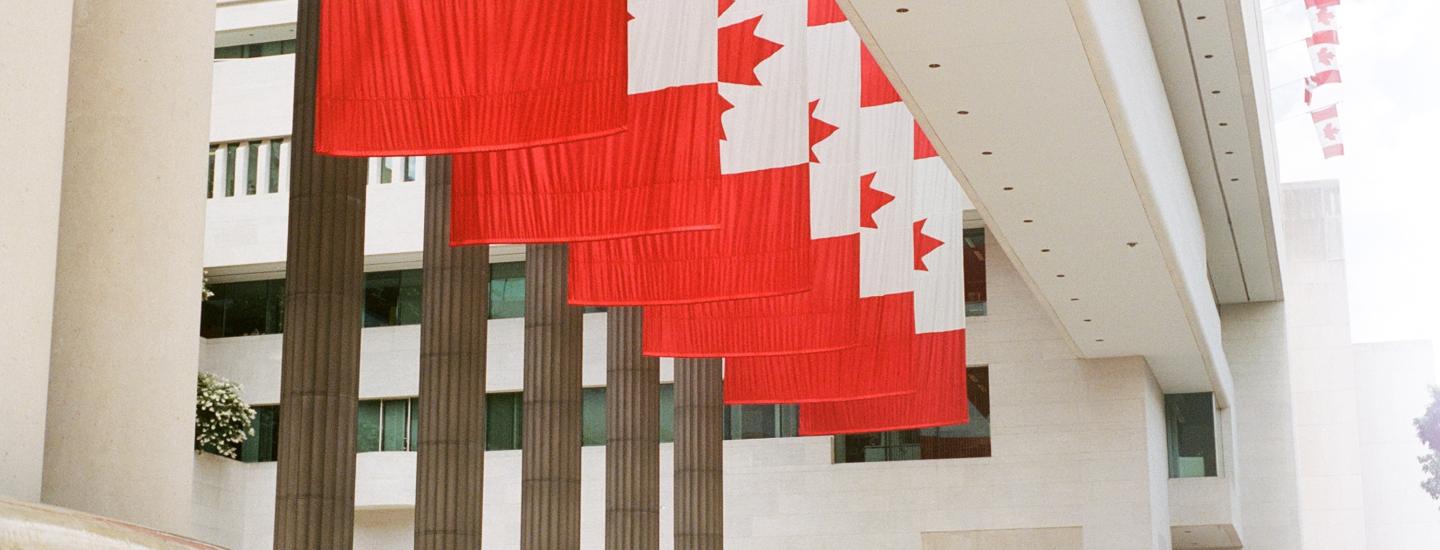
x: 34, y: 66
x: 121, y: 409
x: 450, y: 462
x: 699, y: 455
x: 550, y: 462
x: 632, y: 446
x: 320, y: 361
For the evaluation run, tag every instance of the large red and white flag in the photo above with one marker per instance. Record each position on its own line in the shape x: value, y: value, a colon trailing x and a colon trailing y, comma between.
x: 762, y: 247
x: 661, y: 175
x: 1323, y: 89
x: 938, y: 344
x: 881, y: 362
x: 449, y: 76
x: 823, y: 318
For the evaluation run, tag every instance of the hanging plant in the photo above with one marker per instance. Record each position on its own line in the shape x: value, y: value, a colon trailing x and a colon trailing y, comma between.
x: 222, y: 420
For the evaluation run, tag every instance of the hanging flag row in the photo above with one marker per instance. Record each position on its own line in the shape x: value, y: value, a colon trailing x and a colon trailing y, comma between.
x: 1323, y: 88
x: 741, y: 168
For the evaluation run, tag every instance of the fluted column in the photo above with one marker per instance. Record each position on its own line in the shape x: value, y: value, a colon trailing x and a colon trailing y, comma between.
x: 450, y: 461
x: 320, y: 361
x: 550, y: 461
x: 699, y: 455
x: 632, y: 446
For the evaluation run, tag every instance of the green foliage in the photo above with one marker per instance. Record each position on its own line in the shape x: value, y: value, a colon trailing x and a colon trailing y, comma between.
x: 1428, y: 428
x: 222, y: 420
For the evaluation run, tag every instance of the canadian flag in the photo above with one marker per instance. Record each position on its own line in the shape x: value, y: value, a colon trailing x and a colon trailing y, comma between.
x: 1323, y: 90
x: 823, y: 318
x: 661, y: 175
x: 1327, y: 130
x: 938, y: 345
x: 762, y: 247
x: 881, y: 363
x: 452, y: 76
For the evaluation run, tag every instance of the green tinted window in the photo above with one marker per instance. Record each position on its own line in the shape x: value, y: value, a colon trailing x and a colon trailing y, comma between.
x: 667, y: 413
x: 507, y: 290
x: 1190, y: 430
x: 396, y: 421
x: 243, y: 309
x: 592, y: 416
x: 367, y: 426
x: 502, y: 421
x: 262, y: 445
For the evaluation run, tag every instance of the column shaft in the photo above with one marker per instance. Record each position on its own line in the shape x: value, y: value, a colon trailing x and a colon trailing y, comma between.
x: 120, y: 423
x: 450, y: 465
x: 34, y: 67
x: 699, y: 455
x: 632, y: 447
x: 320, y: 361
x: 550, y: 461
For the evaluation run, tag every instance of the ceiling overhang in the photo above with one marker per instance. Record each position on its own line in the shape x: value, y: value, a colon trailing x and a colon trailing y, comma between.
x: 1053, y: 116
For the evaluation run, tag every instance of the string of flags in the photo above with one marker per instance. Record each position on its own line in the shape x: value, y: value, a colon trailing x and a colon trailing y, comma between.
x: 1323, y: 88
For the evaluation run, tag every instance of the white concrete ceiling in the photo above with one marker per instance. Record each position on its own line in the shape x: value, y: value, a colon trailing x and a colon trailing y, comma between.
x: 1053, y: 116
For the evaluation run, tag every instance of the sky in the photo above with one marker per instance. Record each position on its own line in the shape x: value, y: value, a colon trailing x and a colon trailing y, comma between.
x: 1390, y: 123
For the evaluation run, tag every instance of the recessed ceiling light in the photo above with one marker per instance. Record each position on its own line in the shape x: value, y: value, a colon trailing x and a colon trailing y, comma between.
x: 1217, y: 92
x: 986, y: 153
x: 1229, y: 152
x: 1099, y: 339
x: 1201, y: 18
x: 1224, y: 123
x: 1008, y: 189
x: 1029, y: 221
x: 1234, y: 179
x: 1131, y: 244
x: 1060, y: 276
x: 1087, y: 320
x: 934, y: 65
x: 1074, y: 299
x: 1044, y: 250
x: 902, y: 10
x: 1209, y: 56
x: 962, y: 112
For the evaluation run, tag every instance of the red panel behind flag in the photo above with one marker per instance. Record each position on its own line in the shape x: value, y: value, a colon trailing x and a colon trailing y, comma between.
x: 881, y: 365
x: 661, y: 176
x: 762, y: 249
x: 450, y: 76
x: 939, y: 401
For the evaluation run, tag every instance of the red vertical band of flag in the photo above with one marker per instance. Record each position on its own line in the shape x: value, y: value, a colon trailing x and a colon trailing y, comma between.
x: 824, y: 12
x: 762, y: 249
x: 880, y: 365
x: 451, y: 76
x: 875, y: 87
x: 660, y: 176
x: 822, y: 319
x: 940, y: 398
x: 1321, y: 3
x: 923, y: 148
x: 1323, y: 37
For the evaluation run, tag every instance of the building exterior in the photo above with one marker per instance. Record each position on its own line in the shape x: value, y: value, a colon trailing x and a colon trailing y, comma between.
x: 1158, y: 342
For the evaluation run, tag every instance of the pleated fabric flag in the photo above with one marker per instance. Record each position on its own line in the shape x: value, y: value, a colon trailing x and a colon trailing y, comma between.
x: 427, y: 77
x: 662, y: 175
x: 881, y: 363
x: 823, y: 318
x: 762, y: 247
x: 938, y: 344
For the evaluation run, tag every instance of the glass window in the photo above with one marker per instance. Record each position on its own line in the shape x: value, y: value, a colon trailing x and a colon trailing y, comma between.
x: 274, y: 177
x: 387, y: 172
x: 761, y: 421
x: 210, y: 183
x: 667, y: 413
x: 252, y: 166
x: 503, y: 415
x: 974, y: 272
x: 959, y: 441
x: 414, y: 423
x: 367, y: 426
x: 592, y: 416
x: 263, y: 444
x: 1190, y: 429
x: 410, y: 164
x: 262, y: 49
x: 395, y: 414
x: 231, y: 151
x: 244, y: 309
x: 392, y: 298
x: 507, y: 290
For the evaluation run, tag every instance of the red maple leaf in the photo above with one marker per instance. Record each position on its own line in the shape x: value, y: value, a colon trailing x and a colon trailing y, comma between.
x: 741, y: 51
x: 871, y: 199
x: 1326, y: 56
x: 1324, y: 16
x: 924, y: 244
x: 1331, y: 132
x: 819, y: 130
x: 725, y: 105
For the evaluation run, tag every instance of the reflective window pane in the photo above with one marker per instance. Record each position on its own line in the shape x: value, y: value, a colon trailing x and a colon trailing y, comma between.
x: 974, y: 272
x: 252, y: 166
x: 667, y: 413
x: 395, y: 414
x: 1190, y: 429
x: 502, y: 421
x: 274, y: 176
x: 592, y: 416
x: 507, y: 290
x: 367, y: 426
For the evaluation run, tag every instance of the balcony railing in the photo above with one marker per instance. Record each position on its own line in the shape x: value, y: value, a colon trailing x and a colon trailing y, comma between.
x: 262, y: 167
